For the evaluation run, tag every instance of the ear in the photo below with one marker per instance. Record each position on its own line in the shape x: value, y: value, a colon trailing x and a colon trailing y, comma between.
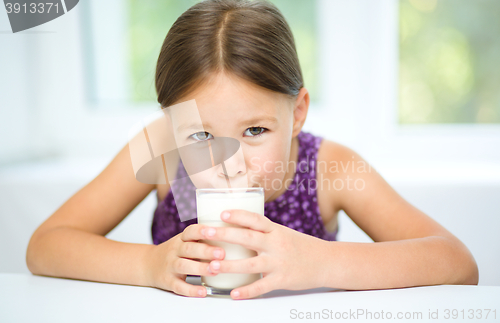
x: 300, y: 111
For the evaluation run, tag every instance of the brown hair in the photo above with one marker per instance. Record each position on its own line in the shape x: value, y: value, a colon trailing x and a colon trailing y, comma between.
x: 250, y: 39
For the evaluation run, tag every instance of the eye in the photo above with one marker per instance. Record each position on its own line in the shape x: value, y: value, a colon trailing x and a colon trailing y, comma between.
x: 201, y: 136
x: 254, y: 131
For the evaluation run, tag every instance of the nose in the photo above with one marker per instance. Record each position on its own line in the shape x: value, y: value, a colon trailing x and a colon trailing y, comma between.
x: 234, y: 166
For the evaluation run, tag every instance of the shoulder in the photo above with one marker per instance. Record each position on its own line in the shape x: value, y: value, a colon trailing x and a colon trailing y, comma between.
x: 337, y: 161
x: 335, y: 153
x: 330, y: 155
x: 373, y: 205
x: 342, y: 172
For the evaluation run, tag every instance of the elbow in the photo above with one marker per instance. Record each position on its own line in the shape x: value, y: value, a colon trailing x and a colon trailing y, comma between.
x: 470, y: 271
x: 464, y: 268
x: 31, y: 262
x: 471, y: 276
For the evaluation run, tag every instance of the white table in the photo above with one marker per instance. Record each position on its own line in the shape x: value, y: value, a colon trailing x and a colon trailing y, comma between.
x: 30, y: 298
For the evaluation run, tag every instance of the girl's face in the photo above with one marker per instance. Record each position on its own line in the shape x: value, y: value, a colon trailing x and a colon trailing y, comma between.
x: 264, y: 122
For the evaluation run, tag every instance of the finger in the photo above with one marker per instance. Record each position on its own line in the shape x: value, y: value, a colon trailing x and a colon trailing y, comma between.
x: 192, y: 232
x: 198, y: 250
x: 253, y: 265
x: 248, y: 219
x: 247, y: 238
x: 259, y: 287
x: 185, y: 266
x: 180, y: 287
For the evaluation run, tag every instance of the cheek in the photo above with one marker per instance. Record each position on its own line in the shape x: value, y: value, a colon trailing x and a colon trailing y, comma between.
x: 267, y: 167
x: 268, y: 162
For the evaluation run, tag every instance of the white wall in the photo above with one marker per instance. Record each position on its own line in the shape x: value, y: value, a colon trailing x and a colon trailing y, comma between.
x: 16, y: 113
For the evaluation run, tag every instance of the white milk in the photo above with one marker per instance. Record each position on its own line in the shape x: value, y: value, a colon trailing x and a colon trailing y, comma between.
x: 209, y: 208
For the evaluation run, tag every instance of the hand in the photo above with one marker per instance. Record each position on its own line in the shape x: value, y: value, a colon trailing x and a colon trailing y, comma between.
x: 287, y: 259
x: 171, y: 261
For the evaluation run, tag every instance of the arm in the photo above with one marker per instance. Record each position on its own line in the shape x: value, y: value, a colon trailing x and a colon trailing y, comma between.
x: 71, y: 242
x: 410, y: 249
x: 432, y: 260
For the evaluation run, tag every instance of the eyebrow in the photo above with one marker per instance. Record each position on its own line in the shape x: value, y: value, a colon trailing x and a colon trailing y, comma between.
x: 256, y: 120
x: 253, y: 121
x: 194, y: 126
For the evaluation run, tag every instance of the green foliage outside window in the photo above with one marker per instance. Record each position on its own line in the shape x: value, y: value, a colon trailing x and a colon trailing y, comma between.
x: 449, y: 61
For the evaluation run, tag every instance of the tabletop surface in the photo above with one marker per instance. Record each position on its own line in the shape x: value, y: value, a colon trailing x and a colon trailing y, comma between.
x: 31, y: 298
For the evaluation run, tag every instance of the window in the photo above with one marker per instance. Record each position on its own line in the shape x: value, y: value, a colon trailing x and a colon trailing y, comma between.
x: 449, y: 65
x: 148, y: 24
x: 362, y: 67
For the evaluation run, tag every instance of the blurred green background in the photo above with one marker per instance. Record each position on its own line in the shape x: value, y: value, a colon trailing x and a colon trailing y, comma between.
x: 449, y: 64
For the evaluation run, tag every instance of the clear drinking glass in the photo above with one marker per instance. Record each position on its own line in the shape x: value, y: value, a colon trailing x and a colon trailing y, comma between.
x: 210, y: 202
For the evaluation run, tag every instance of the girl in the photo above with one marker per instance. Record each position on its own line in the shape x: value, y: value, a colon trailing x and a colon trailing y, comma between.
x: 238, y: 60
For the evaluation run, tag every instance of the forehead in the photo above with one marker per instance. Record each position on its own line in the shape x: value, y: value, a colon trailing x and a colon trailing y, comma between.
x: 228, y: 94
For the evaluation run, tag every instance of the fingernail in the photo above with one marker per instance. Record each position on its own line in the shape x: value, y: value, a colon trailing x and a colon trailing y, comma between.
x: 236, y: 293
x: 225, y: 215
x: 217, y: 253
x: 200, y: 292
x: 203, y: 231
x: 210, y: 232
x: 216, y: 265
x: 208, y: 269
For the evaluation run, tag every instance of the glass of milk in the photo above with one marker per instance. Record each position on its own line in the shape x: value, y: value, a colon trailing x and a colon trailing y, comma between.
x: 210, y: 202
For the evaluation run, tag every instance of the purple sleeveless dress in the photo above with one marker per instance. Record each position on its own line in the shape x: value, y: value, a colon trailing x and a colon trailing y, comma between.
x: 297, y: 208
